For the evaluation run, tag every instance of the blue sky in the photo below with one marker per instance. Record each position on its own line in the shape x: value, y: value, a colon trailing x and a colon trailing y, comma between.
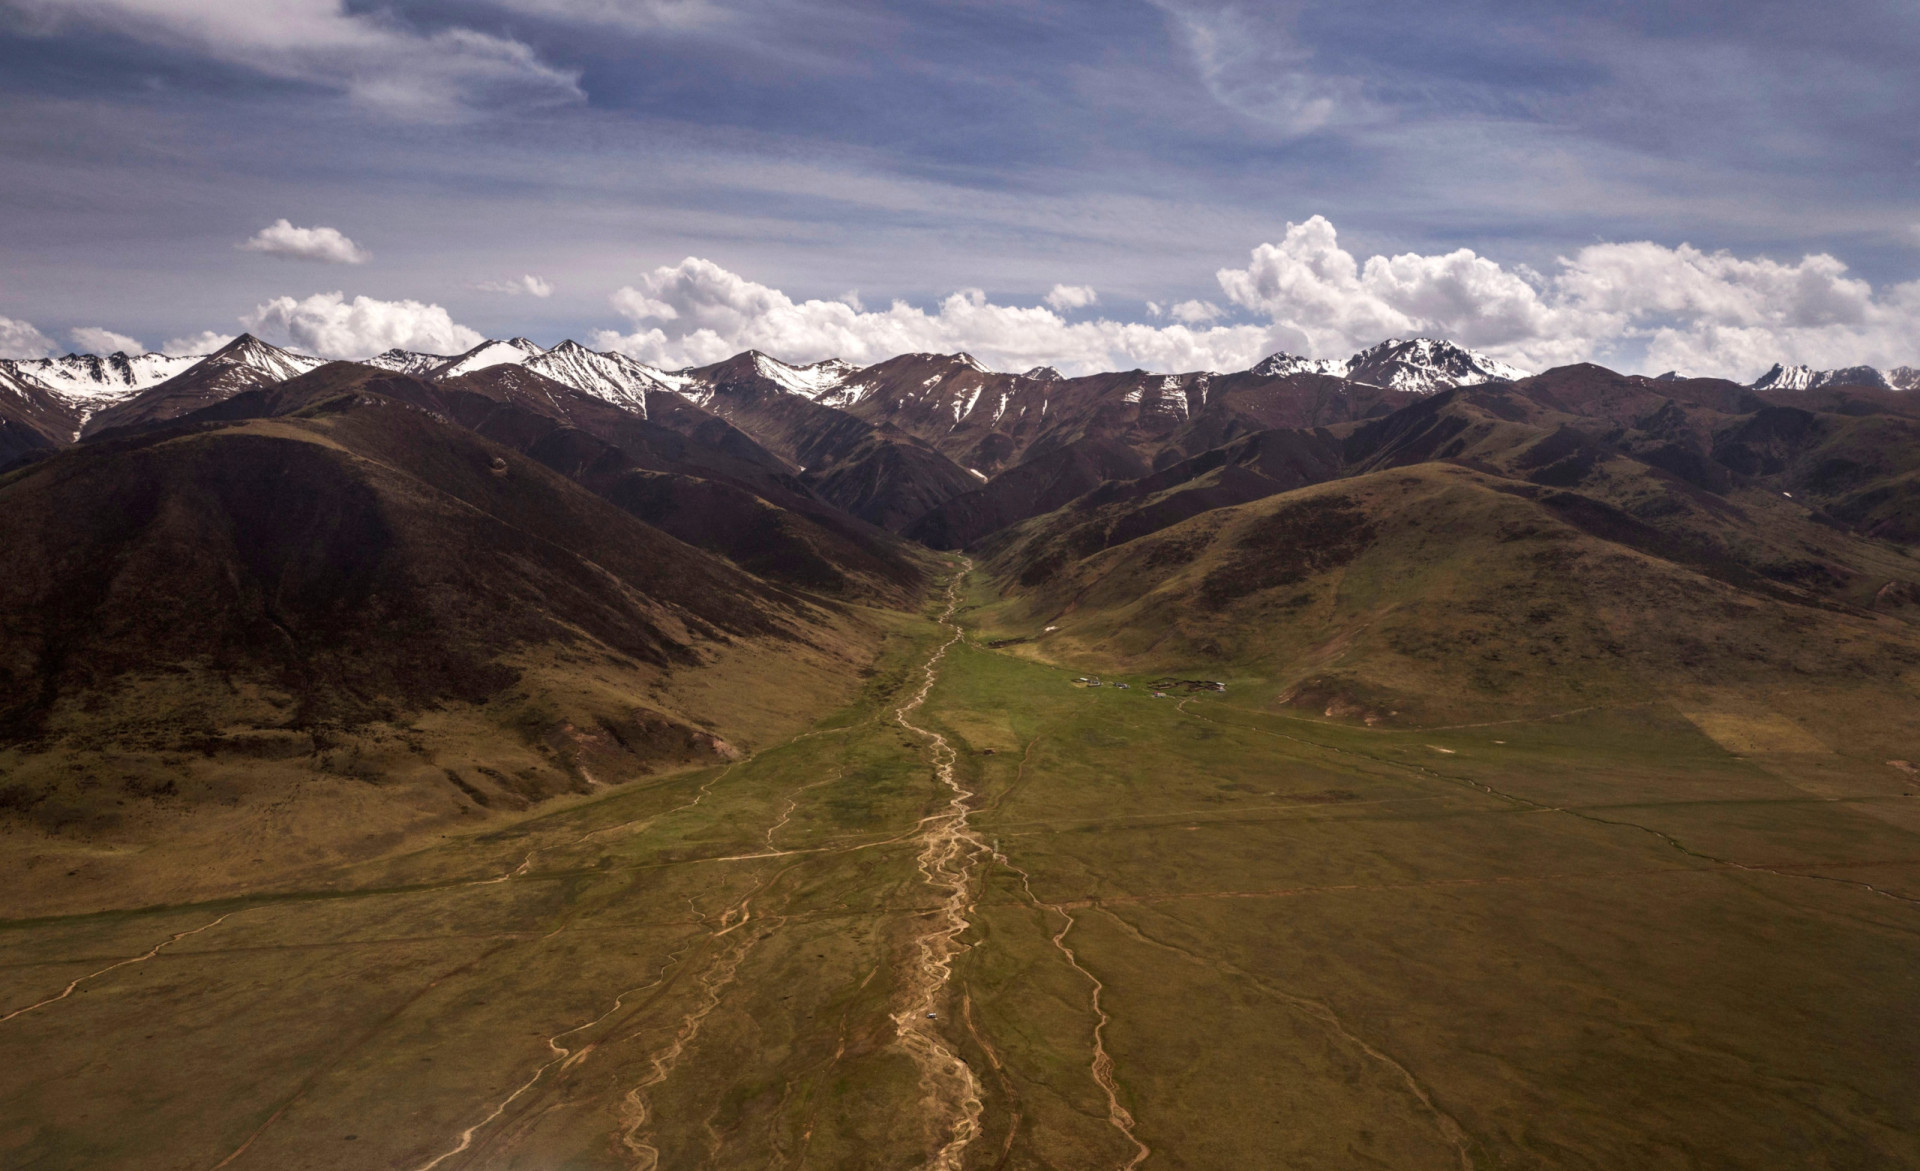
x: 911, y: 151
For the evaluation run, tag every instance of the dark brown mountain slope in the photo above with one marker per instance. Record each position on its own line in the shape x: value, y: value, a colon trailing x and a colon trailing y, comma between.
x: 1040, y: 485
x: 211, y: 621
x: 1722, y: 483
x: 878, y: 474
x: 993, y: 422
x: 31, y: 420
x: 676, y: 467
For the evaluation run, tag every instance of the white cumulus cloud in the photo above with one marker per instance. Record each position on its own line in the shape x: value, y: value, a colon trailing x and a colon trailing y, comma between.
x: 18, y: 339
x: 1192, y: 312
x: 92, y: 339
x: 193, y: 345
x: 370, y: 55
x: 529, y: 284
x: 326, y: 245
x: 1065, y: 297
x: 330, y: 326
x: 1709, y: 313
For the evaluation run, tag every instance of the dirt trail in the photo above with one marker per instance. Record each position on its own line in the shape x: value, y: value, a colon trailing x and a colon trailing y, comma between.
x: 139, y: 959
x: 635, y: 1109
x: 948, y: 851
x: 636, y: 825
x: 1448, y: 1126
x: 561, y: 1054
x: 1118, y: 1116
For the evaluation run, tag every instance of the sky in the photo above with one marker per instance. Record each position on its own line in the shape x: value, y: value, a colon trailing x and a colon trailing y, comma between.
x: 1167, y: 184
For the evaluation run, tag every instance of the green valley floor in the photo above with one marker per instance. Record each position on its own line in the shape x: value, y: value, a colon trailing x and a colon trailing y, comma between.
x: 989, y: 917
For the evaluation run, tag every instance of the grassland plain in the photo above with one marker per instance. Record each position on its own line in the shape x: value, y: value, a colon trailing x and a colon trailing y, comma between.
x: 1201, y: 931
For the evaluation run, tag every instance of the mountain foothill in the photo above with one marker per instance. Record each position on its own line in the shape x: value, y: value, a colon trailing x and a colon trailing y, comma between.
x: 367, y: 601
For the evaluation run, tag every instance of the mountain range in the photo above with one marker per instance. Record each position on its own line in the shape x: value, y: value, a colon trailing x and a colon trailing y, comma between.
x: 273, y: 504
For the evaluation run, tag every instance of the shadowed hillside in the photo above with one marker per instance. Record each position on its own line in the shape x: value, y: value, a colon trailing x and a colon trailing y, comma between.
x: 219, y: 616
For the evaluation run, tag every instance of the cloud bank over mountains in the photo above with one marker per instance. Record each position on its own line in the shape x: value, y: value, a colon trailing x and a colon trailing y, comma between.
x: 328, y: 325
x: 1638, y: 306
x: 1641, y: 305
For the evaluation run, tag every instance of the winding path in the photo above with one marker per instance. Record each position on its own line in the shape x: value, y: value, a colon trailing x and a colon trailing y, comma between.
x: 139, y: 959
x: 948, y: 851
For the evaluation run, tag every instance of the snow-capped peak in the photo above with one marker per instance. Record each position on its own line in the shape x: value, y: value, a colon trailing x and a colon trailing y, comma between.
x: 100, y: 379
x: 1282, y: 364
x: 1424, y: 365
x: 611, y: 376
x: 249, y: 351
x: 809, y: 381
x: 1045, y: 374
x: 1807, y: 378
x: 514, y: 352
x: 408, y: 362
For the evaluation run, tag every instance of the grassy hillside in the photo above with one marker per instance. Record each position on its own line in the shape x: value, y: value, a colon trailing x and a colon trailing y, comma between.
x: 1438, y: 594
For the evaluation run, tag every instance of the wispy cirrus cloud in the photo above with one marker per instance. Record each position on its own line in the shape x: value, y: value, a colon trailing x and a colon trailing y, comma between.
x: 373, y: 57
x: 527, y: 284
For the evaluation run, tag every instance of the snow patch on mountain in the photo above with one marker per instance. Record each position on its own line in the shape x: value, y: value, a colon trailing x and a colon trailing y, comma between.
x: 845, y: 395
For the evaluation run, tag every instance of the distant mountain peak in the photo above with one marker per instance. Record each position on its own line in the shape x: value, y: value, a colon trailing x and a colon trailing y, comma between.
x: 1421, y: 365
x: 413, y: 362
x: 1783, y: 377
x: 1044, y: 374
x: 1282, y: 364
x: 1425, y: 364
x: 269, y: 359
